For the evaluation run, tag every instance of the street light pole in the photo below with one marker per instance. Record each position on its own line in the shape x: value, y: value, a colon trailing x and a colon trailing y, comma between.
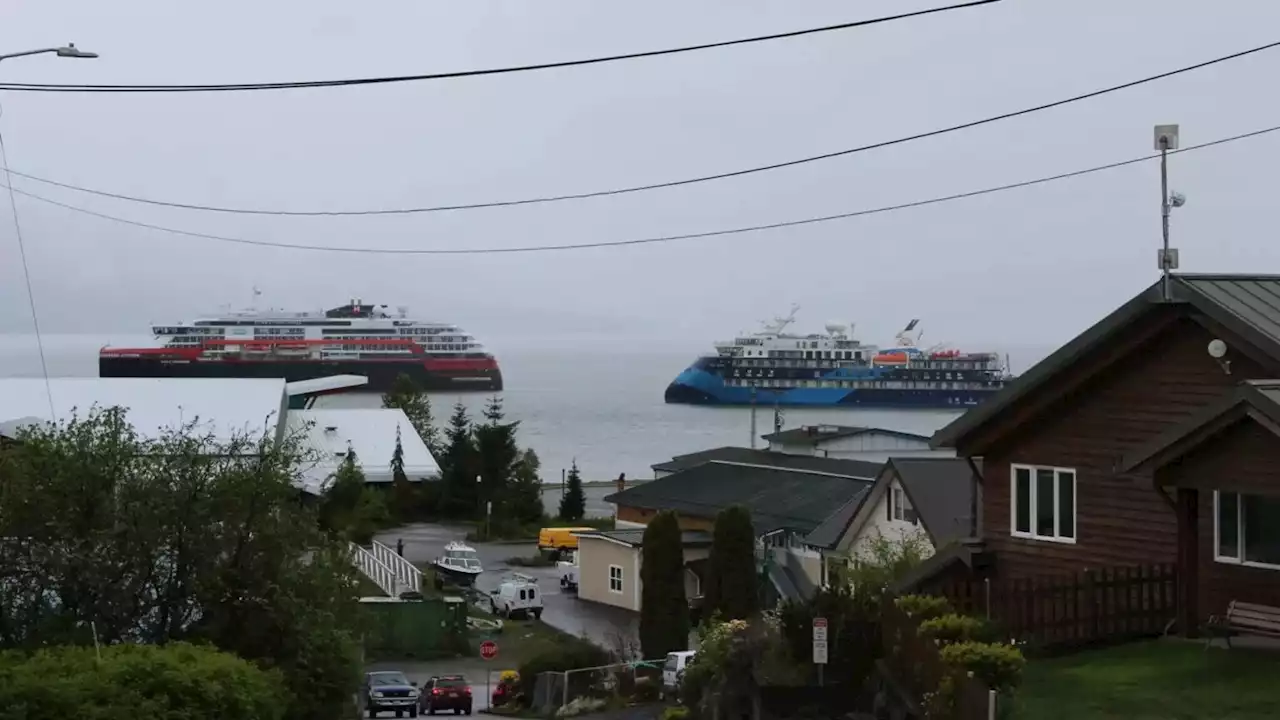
x: 69, y: 51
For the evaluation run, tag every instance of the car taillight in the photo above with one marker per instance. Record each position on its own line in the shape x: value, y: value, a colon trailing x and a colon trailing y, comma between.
x: 435, y: 691
x: 467, y: 690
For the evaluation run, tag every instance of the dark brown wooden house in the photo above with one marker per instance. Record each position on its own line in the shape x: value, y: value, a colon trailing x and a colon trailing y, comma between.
x: 1133, y: 444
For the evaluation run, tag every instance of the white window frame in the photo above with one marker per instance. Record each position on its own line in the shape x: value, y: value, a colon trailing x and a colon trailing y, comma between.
x: 1217, y: 540
x: 896, y: 500
x: 616, y: 578
x: 1057, y: 536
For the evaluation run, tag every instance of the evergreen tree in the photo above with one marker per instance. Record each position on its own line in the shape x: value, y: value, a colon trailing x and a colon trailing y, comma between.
x: 664, y: 611
x: 406, y: 395
x: 404, y: 494
x: 497, y: 457
x: 525, y: 494
x: 732, y: 586
x: 459, y: 496
x: 573, y: 504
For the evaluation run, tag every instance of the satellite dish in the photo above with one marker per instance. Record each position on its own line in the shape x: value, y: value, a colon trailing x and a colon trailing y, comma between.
x: 1217, y: 349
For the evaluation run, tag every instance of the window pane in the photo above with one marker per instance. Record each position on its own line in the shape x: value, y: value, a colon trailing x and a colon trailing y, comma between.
x: 1022, y: 500
x: 1066, y: 505
x: 1044, y: 502
x: 1228, y: 525
x: 1261, y: 529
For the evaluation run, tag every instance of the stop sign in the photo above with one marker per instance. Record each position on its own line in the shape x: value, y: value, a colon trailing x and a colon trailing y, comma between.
x: 488, y: 649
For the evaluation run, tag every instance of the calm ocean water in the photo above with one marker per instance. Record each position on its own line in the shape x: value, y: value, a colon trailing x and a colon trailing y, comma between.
x: 602, y: 409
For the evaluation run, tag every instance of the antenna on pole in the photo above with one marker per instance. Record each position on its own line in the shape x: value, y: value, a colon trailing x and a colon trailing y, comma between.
x: 777, y: 415
x: 1166, y: 139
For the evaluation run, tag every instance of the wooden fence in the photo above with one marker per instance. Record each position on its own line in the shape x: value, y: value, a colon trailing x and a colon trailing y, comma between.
x: 1061, y: 613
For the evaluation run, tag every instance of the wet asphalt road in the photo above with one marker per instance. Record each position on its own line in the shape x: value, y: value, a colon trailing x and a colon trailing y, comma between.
x: 602, y: 624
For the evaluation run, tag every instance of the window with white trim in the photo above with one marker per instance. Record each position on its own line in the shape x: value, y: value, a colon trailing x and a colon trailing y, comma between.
x: 1042, y: 503
x: 615, y: 579
x: 1246, y: 529
x: 900, y: 508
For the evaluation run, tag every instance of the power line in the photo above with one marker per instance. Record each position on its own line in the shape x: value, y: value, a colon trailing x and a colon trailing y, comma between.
x: 46, y: 87
x: 653, y: 186
x: 648, y: 240
x: 26, y: 276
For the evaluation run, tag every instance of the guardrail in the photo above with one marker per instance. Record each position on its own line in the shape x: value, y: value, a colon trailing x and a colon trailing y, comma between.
x: 408, y: 575
x: 382, y: 576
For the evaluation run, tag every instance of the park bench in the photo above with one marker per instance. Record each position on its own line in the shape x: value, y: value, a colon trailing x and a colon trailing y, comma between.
x: 1244, y: 618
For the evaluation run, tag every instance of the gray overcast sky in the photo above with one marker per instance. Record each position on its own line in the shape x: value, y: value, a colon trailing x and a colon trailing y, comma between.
x: 1031, y: 266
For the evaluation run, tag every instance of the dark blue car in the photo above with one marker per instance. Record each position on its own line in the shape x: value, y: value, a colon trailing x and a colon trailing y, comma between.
x: 390, y: 691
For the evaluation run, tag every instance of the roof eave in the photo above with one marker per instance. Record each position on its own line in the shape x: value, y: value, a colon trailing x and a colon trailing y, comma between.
x: 1245, y: 400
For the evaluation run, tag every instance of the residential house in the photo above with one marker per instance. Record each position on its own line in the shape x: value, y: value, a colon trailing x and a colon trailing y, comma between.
x: 852, y: 442
x: 786, y: 504
x: 750, y: 456
x: 609, y: 565
x: 1150, y: 438
x: 932, y: 502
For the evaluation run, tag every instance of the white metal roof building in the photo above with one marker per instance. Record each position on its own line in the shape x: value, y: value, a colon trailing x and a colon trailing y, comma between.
x: 370, y: 433
x: 225, y: 407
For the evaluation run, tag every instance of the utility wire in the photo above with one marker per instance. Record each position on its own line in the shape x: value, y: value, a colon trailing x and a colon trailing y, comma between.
x: 647, y: 240
x: 26, y: 276
x: 45, y: 87
x: 654, y: 186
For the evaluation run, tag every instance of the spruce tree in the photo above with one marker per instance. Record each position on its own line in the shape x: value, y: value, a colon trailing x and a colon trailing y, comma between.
x: 573, y: 504
x: 497, y: 457
x: 732, y: 586
x: 404, y: 494
x: 525, y: 493
x: 458, y: 468
x: 409, y: 397
x: 664, y: 611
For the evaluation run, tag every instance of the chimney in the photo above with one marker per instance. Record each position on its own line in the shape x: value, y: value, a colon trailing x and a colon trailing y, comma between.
x: 622, y: 482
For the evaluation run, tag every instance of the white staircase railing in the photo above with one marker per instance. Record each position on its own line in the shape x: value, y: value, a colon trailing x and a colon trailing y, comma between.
x: 381, y: 575
x: 408, y: 575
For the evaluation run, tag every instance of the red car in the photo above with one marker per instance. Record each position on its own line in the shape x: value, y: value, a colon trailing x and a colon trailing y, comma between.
x: 445, y: 692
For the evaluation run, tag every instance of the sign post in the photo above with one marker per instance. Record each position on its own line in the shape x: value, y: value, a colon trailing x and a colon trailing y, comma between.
x: 819, y: 645
x: 488, y: 651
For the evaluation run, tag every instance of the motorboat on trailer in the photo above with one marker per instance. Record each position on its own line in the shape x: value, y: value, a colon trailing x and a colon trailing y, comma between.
x: 459, y: 565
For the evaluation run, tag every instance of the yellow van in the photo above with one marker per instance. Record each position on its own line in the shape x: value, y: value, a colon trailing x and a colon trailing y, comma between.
x: 560, y: 539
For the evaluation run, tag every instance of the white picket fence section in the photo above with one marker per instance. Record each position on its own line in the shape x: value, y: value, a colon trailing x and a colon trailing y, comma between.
x: 382, y: 575
x: 409, y: 576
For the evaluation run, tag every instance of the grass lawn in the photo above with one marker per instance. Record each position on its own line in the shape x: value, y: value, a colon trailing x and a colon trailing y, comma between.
x: 1154, y: 680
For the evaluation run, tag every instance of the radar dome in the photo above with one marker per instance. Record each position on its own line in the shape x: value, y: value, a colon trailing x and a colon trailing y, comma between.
x: 835, y: 328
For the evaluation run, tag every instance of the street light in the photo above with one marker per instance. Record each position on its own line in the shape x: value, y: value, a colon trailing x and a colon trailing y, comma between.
x: 67, y: 51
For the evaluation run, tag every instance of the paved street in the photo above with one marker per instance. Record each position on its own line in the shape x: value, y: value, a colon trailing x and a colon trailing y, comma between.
x: 473, y: 669
x: 562, y: 610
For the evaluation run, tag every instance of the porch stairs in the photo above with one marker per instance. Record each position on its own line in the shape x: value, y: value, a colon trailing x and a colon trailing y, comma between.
x: 390, y: 572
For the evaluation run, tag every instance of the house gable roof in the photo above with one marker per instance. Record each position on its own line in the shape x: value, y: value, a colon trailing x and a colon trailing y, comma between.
x: 1247, y: 305
x: 813, y: 435
x: 939, y: 489
x: 1259, y: 399
x: 854, y: 468
x: 777, y: 498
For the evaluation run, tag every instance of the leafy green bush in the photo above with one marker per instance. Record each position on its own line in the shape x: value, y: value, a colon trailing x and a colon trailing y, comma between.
x: 923, y: 607
x: 999, y: 666
x: 132, y: 681
x: 570, y: 655
x: 679, y: 712
x: 952, y: 628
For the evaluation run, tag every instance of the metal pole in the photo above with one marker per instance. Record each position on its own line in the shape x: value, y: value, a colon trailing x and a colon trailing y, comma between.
x: 1164, y: 215
x: 992, y: 702
x: 488, y: 691
x: 97, y: 647
x: 564, y: 696
x: 753, y: 417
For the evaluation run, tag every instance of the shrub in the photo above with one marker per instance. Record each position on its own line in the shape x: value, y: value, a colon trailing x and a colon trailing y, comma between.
x: 923, y: 607
x: 174, y: 680
x: 950, y: 629
x: 679, y: 712
x: 999, y: 666
x: 569, y: 655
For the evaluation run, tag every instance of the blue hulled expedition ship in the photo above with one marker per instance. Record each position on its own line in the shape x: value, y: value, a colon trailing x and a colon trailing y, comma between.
x: 773, y: 367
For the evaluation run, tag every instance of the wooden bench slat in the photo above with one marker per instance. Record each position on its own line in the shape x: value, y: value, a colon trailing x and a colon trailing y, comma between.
x: 1255, y: 607
x: 1255, y: 619
x: 1251, y: 618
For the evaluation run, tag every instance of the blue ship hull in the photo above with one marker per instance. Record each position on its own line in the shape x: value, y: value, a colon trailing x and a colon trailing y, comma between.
x: 700, y: 385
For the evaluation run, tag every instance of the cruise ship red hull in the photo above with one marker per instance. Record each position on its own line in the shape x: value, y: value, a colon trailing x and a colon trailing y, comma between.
x: 433, y: 375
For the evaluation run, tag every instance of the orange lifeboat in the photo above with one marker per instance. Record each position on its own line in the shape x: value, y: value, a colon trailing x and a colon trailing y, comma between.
x: 890, y: 358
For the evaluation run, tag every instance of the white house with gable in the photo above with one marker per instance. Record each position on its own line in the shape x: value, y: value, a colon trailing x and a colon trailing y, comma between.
x: 371, y: 434
x: 851, y: 442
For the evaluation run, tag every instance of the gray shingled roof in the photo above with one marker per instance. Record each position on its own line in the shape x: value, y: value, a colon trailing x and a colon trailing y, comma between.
x: 777, y: 498
x: 827, y: 535
x: 813, y: 434
x: 1248, y: 305
x: 855, y: 468
x: 940, y: 490
x: 1262, y: 396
